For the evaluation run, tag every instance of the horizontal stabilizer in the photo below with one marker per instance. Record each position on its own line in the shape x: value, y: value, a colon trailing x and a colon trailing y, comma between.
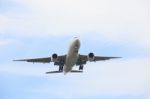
x: 76, y: 71
x: 52, y: 72
x: 73, y: 71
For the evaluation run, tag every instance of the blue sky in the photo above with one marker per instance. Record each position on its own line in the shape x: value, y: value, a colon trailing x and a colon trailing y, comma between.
x: 39, y: 28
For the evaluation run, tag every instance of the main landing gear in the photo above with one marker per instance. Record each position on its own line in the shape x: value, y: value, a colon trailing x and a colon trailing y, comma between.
x: 81, y: 67
x: 60, y: 68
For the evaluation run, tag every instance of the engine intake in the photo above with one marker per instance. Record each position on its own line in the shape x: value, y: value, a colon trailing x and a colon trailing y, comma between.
x: 54, y: 57
x: 91, y: 57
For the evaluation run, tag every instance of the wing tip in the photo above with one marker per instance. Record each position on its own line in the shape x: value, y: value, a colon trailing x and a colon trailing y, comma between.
x: 15, y: 60
x: 19, y: 60
x: 117, y: 57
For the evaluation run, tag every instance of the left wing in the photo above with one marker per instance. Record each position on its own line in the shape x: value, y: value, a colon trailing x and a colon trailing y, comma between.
x: 96, y: 58
x: 38, y: 60
x: 101, y: 58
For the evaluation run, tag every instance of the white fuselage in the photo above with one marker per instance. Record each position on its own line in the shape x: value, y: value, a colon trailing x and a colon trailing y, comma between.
x: 72, y: 55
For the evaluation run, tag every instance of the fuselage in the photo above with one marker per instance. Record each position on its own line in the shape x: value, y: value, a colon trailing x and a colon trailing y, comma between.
x: 72, y: 55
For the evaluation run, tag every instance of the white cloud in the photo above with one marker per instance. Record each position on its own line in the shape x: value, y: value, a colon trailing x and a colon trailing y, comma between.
x: 4, y: 21
x: 147, y: 94
x: 113, y: 78
x: 130, y: 77
x: 23, y: 70
x: 120, y: 21
x: 116, y: 20
x: 4, y: 42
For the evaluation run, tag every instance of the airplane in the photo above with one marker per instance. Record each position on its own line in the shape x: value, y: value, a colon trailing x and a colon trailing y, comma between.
x: 68, y: 61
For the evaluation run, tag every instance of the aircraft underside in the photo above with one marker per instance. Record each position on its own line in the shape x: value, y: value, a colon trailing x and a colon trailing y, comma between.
x: 72, y: 58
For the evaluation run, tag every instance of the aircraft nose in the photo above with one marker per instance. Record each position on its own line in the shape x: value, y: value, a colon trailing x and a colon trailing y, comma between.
x: 77, y: 42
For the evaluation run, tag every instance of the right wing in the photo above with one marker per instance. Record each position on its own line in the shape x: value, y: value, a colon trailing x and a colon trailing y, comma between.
x: 60, y: 60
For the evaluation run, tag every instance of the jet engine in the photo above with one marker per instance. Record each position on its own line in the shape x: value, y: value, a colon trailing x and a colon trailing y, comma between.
x: 54, y: 57
x: 91, y: 57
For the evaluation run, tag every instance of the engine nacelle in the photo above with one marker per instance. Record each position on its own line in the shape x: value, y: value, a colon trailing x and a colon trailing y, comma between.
x: 54, y: 57
x: 91, y: 57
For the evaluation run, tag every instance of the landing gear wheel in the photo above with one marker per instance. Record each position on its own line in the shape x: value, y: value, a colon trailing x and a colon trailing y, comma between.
x: 81, y: 67
x: 60, y: 68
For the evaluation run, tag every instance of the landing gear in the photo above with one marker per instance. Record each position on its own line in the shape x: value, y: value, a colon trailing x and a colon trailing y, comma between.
x: 81, y: 67
x: 60, y: 68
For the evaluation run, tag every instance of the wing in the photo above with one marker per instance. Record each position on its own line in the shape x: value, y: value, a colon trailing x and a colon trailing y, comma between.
x: 60, y: 59
x: 96, y: 58
x: 37, y: 60
x: 101, y: 58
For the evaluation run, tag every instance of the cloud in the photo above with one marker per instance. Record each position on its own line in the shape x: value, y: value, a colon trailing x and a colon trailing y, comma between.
x: 22, y: 70
x: 4, y: 21
x: 120, y: 21
x: 4, y: 42
x: 124, y: 22
x: 112, y: 78
x: 129, y: 77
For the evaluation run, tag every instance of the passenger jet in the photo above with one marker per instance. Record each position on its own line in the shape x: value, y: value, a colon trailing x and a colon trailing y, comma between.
x: 72, y: 58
